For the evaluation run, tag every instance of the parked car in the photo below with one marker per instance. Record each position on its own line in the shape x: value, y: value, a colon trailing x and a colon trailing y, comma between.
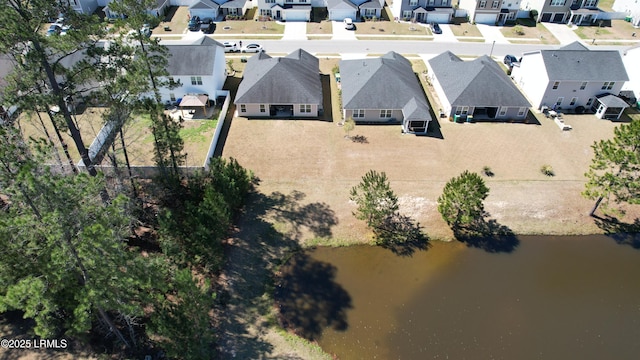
x: 194, y: 23
x: 252, y: 48
x: 64, y: 30
x: 511, y: 61
x: 348, y: 24
x: 207, y: 28
x: 230, y: 46
x: 146, y: 30
x: 54, y: 29
x: 435, y: 28
x: 206, y: 20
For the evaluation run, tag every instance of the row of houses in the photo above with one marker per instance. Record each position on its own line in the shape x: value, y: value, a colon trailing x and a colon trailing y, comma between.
x: 580, y: 12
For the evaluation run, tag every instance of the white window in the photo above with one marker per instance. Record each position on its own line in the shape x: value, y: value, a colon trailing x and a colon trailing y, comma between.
x: 559, y: 102
x: 589, y: 102
x: 270, y: 1
x: 445, y: 2
x: 483, y: 4
x: 558, y: 2
x: 583, y: 85
x: 265, y: 12
x: 370, y: 12
x: 172, y: 96
x: 495, y: 4
x: 555, y: 85
x: 522, y: 111
x: 462, y: 110
x: 359, y: 113
x: 243, y: 108
x: 288, y: 1
x: 413, y: 2
x: 590, y: 3
x: 573, y: 101
x: 503, y: 111
x: 406, y: 14
x: 431, y: 2
x: 196, y: 80
x: 608, y: 85
x: 263, y: 108
x: 385, y: 113
x: 306, y: 108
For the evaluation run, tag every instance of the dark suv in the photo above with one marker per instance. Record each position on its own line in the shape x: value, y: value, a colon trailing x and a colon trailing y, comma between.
x: 511, y: 61
x: 207, y: 28
x: 194, y: 23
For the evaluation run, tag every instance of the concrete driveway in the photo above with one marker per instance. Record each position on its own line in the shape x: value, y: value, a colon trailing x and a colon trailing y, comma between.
x: 563, y: 33
x: 340, y: 33
x: 492, y: 33
x: 446, y: 36
x: 295, y: 30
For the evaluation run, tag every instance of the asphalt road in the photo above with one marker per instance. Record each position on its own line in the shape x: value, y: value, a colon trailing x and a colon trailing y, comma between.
x: 405, y: 47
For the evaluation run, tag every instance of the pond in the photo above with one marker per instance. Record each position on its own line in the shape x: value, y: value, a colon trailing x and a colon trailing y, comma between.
x: 551, y: 298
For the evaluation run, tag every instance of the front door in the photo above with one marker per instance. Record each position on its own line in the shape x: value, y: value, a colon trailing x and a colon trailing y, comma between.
x: 277, y: 14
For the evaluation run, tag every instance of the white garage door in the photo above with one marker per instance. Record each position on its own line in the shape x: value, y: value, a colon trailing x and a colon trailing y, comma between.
x: 339, y: 15
x: 181, y: 2
x: 440, y: 18
x: 297, y: 15
x: 488, y: 19
x: 203, y: 13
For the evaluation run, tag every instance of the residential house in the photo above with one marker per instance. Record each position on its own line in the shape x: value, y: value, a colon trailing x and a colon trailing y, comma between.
x: 490, y: 12
x: 570, y: 78
x: 86, y: 7
x: 287, y: 10
x: 631, y: 59
x: 423, y: 11
x: 580, y: 12
x: 283, y: 87
x: 355, y: 9
x: 219, y: 8
x: 195, y: 68
x: 384, y: 90
x: 631, y: 8
x: 159, y: 9
x: 475, y: 90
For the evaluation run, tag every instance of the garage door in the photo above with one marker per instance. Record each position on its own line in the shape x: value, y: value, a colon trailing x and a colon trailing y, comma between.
x: 203, y: 13
x: 558, y: 17
x: 440, y: 18
x: 339, y: 15
x: 488, y: 19
x: 297, y: 15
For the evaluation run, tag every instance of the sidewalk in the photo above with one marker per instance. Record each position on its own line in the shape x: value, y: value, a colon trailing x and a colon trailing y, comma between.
x: 295, y: 30
x: 563, y: 33
x: 492, y: 33
x: 446, y: 36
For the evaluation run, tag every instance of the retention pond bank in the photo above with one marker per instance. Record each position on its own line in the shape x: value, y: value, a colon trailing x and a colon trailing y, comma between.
x: 550, y: 298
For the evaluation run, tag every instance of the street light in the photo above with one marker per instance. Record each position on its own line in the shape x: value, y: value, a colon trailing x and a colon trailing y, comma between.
x: 492, y: 45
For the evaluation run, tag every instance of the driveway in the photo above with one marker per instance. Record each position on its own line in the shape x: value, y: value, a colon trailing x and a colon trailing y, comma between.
x: 492, y: 33
x: 295, y: 30
x: 340, y: 33
x: 563, y: 33
x: 446, y: 36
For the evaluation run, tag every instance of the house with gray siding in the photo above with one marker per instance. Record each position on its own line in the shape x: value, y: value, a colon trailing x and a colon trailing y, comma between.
x: 423, y: 11
x: 287, y: 10
x: 490, y: 12
x: 384, y: 90
x: 580, y: 12
x: 219, y: 9
x: 281, y: 87
x: 475, y: 90
x: 570, y: 78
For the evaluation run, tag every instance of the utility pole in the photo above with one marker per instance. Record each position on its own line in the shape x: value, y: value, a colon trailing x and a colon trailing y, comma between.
x: 492, y: 45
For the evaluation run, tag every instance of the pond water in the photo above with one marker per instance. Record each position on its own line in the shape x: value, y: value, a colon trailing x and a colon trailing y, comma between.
x: 551, y: 298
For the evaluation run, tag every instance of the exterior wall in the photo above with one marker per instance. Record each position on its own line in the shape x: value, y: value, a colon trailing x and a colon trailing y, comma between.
x: 373, y: 116
x: 204, y: 13
x: 400, y: 6
x: 182, y: 2
x: 341, y: 14
x: 87, y: 7
x: 253, y: 110
x: 631, y: 60
x: 470, y: 6
x: 444, y: 102
x: 532, y: 78
x: 268, y: 4
x: 571, y: 89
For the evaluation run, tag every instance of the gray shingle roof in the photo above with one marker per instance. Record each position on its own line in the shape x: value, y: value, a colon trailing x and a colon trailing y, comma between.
x: 372, y: 4
x: 612, y: 101
x: 193, y: 59
x: 340, y: 4
x: 575, y: 62
x: 387, y: 82
x: 204, y: 4
x: 233, y: 4
x: 293, y: 79
x: 480, y: 82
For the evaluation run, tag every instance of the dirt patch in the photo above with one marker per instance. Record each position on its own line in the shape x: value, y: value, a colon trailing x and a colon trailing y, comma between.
x: 391, y: 28
x: 528, y: 31
x: 608, y: 30
x: 465, y: 29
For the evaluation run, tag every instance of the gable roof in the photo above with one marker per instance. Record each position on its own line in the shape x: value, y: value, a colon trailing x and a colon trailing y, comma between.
x: 340, y: 4
x: 293, y: 79
x: 576, y: 62
x: 372, y: 4
x: 232, y: 4
x: 204, y: 4
x: 480, y: 82
x: 387, y: 82
x: 193, y: 59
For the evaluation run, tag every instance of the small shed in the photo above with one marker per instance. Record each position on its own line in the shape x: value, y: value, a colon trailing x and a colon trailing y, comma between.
x: 609, y: 106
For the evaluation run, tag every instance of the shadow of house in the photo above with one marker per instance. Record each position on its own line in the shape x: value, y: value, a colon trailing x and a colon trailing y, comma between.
x: 309, y: 299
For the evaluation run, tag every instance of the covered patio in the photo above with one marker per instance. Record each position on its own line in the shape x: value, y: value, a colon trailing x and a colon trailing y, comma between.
x: 192, y: 106
x: 609, y: 106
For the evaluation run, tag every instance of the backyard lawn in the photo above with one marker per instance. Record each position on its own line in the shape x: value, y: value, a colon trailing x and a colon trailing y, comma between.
x: 527, y: 31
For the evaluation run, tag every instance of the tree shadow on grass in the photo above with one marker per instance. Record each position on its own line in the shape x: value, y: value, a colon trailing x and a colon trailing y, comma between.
x: 488, y: 235
x: 254, y: 252
x: 309, y: 300
x: 623, y: 233
x: 402, y: 236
